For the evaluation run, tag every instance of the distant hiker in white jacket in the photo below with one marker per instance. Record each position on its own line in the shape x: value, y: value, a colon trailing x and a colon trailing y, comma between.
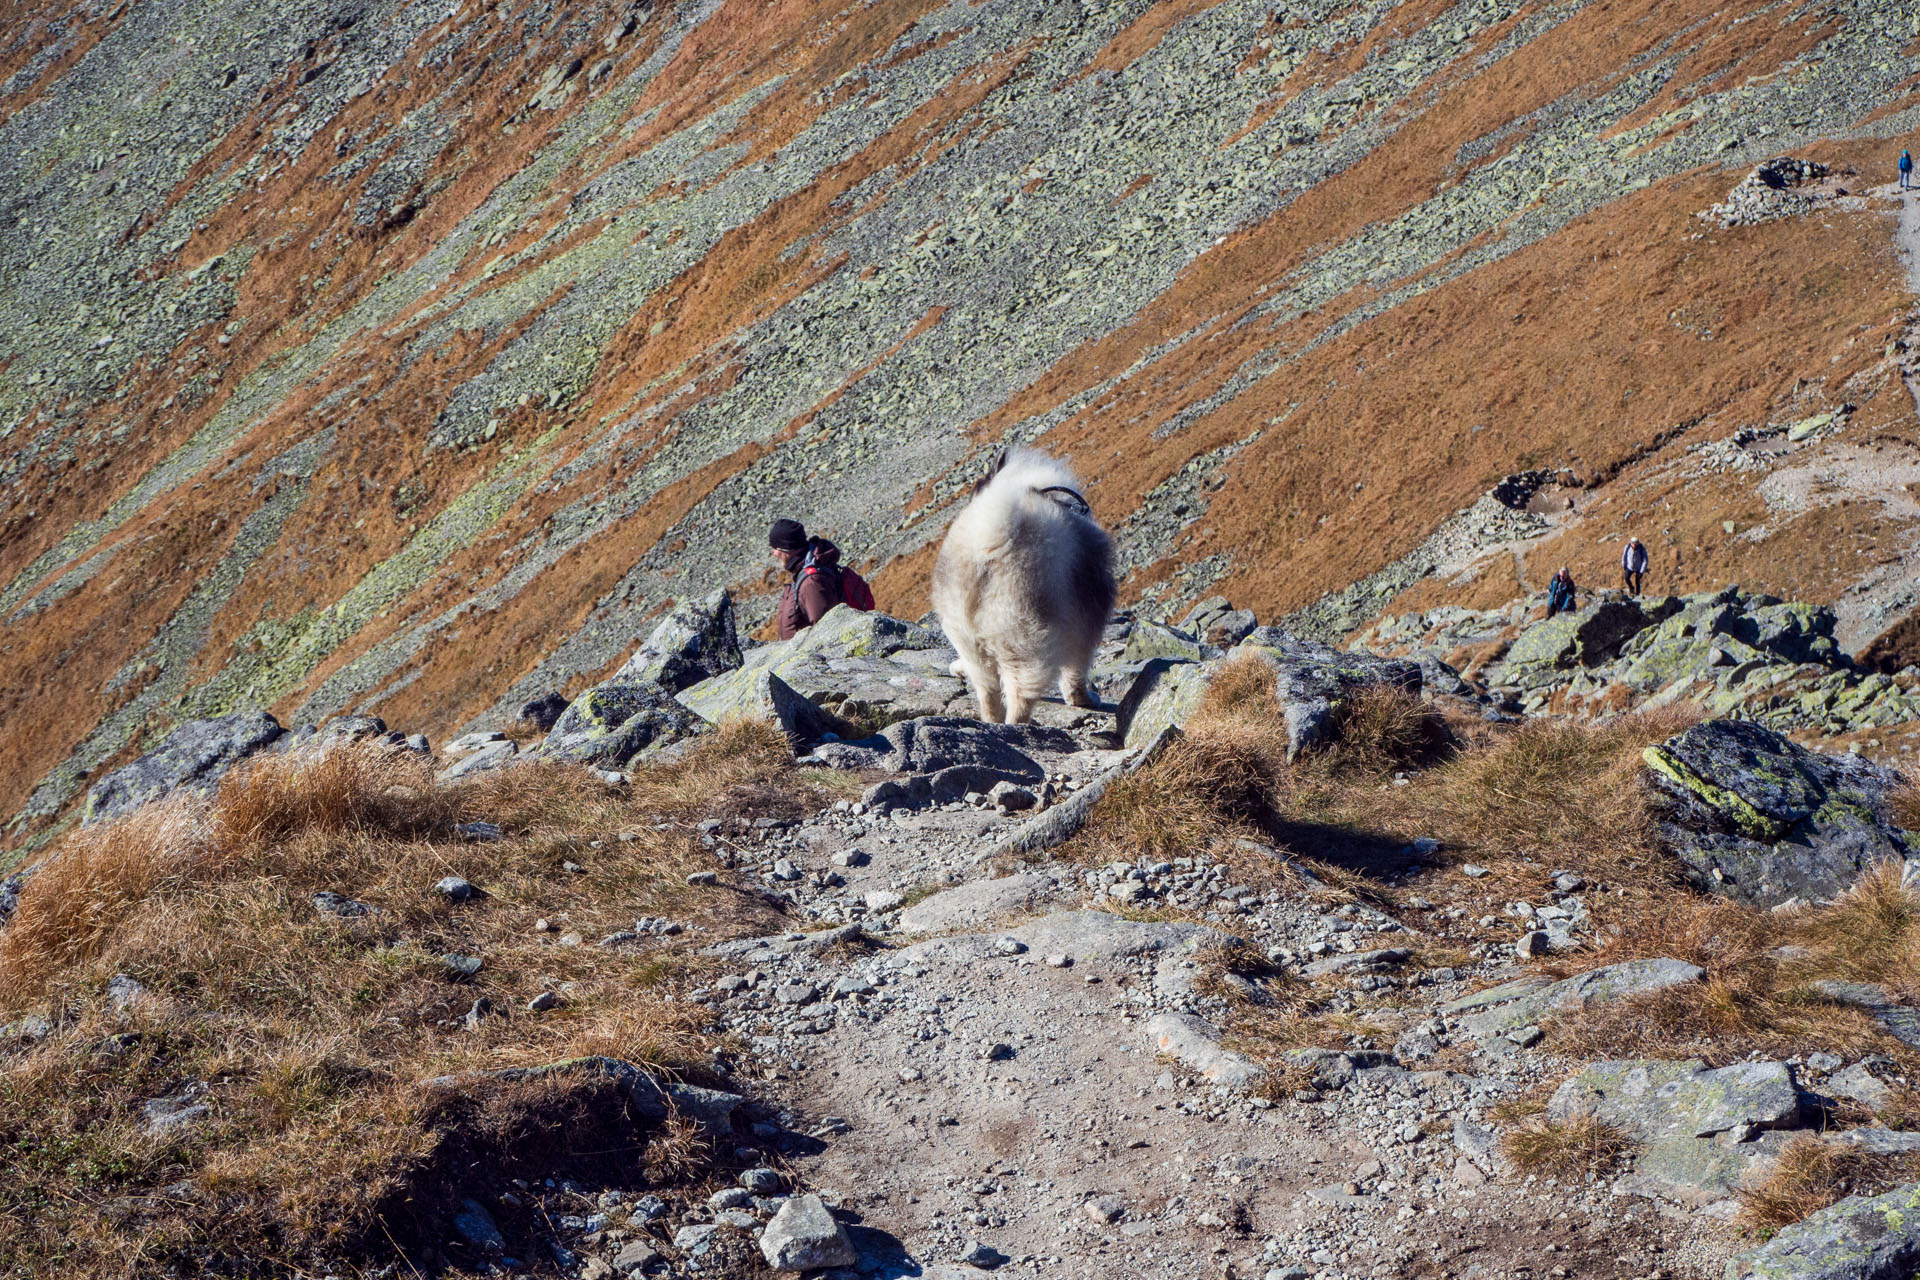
x: 1633, y: 564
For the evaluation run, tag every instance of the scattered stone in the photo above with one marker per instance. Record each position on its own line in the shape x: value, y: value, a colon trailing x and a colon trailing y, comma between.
x: 1104, y: 1210
x: 179, y: 1110
x: 879, y: 900
x: 329, y: 903
x: 635, y: 1256
x: 455, y: 889
x: 544, y: 1001
x: 1532, y: 944
x: 476, y: 1226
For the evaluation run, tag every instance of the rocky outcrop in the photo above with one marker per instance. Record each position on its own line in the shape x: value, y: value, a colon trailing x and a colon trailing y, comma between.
x: 1311, y: 680
x: 1757, y: 817
x: 194, y: 756
x: 696, y: 642
x: 1731, y: 652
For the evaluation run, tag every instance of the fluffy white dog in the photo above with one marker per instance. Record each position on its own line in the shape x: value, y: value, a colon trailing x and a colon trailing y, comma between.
x: 1024, y: 586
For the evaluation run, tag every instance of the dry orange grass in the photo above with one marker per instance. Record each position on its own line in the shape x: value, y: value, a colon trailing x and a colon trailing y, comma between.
x: 1228, y: 774
x: 1812, y: 1174
x: 1761, y: 966
x: 312, y: 1033
x: 1578, y: 1145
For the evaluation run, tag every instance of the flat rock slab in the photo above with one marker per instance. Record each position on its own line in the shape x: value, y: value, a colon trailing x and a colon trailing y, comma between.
x: 1498, y: 1010
x: 977, y: 902
x: 1701, y: 1131
x: 1195, y: 1044
x: 1860, y: 1238
x: 1083, y: 935
x: 1654, y: 1099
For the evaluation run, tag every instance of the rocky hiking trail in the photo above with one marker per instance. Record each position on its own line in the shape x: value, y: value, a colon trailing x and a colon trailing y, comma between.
x: 1285, y: 962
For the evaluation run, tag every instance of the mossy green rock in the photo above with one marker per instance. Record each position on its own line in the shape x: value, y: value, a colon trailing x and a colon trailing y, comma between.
x: 612, y: 723
x: 1151, y: 640
x: 1757, y: 817
x: 862, y: 671
x: 1860, y: 1238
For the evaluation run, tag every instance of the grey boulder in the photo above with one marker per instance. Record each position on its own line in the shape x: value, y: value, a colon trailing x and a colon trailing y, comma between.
x: 195, y: 755
x: 803, y: 1236
x: 696, y: 642
x: 1860, y: 1238
x: 1754, y: 816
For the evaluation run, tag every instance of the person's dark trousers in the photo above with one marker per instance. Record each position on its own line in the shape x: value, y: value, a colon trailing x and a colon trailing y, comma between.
x: 1633, y: 580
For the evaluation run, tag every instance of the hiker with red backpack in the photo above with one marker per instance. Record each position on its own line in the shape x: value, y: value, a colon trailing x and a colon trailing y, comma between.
x: 819, y: 580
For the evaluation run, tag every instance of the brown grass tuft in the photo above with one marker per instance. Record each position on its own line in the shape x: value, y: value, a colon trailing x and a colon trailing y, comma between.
x: 1812, y: 1173
x: 1580, y: 1144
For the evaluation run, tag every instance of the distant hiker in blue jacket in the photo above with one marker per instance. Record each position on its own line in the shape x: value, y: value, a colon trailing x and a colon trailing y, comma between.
x: 1560, y: 593
x: 1906, y: 170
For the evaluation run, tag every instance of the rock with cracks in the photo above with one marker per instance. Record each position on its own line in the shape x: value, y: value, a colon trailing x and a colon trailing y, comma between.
x: 803, y: 1236
x: 1757, y: 817
x: 194, y: 756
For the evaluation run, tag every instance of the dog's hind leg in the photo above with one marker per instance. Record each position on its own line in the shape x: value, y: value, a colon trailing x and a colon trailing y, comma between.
x: 1073, y: 688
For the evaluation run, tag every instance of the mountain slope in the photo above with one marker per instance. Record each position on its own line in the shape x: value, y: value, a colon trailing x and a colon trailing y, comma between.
x: 388, y: 356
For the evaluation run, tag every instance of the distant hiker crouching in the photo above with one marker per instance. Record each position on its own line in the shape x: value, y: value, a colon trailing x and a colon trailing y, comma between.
x: 819, y: 581
x: 1560, y: 593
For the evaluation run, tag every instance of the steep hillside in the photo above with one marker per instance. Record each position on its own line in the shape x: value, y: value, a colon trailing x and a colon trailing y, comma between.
x: 407, y: 357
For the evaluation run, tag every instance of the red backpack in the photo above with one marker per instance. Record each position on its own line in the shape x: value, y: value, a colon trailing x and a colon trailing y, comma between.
x: 854, y: 591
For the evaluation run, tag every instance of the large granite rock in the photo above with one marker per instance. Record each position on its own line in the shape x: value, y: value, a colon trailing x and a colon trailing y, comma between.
x: 1860, y: 1238
x: 1311, y: 680
x: 195, y: 756
x: 863, y: 671
x: 1757, y: 817
x: 696, y: 642
x: 1700, y: 1131
x: 613, y: 723
x: 1589, y: 636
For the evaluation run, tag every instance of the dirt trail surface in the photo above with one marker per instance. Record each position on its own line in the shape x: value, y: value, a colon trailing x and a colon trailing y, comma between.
x: 991, y: 1091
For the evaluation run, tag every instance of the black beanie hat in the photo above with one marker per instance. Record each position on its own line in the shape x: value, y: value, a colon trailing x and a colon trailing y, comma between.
x: 787, y: 535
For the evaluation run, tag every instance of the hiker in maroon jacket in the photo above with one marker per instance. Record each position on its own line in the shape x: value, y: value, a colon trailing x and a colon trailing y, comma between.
x: 814, y: 564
